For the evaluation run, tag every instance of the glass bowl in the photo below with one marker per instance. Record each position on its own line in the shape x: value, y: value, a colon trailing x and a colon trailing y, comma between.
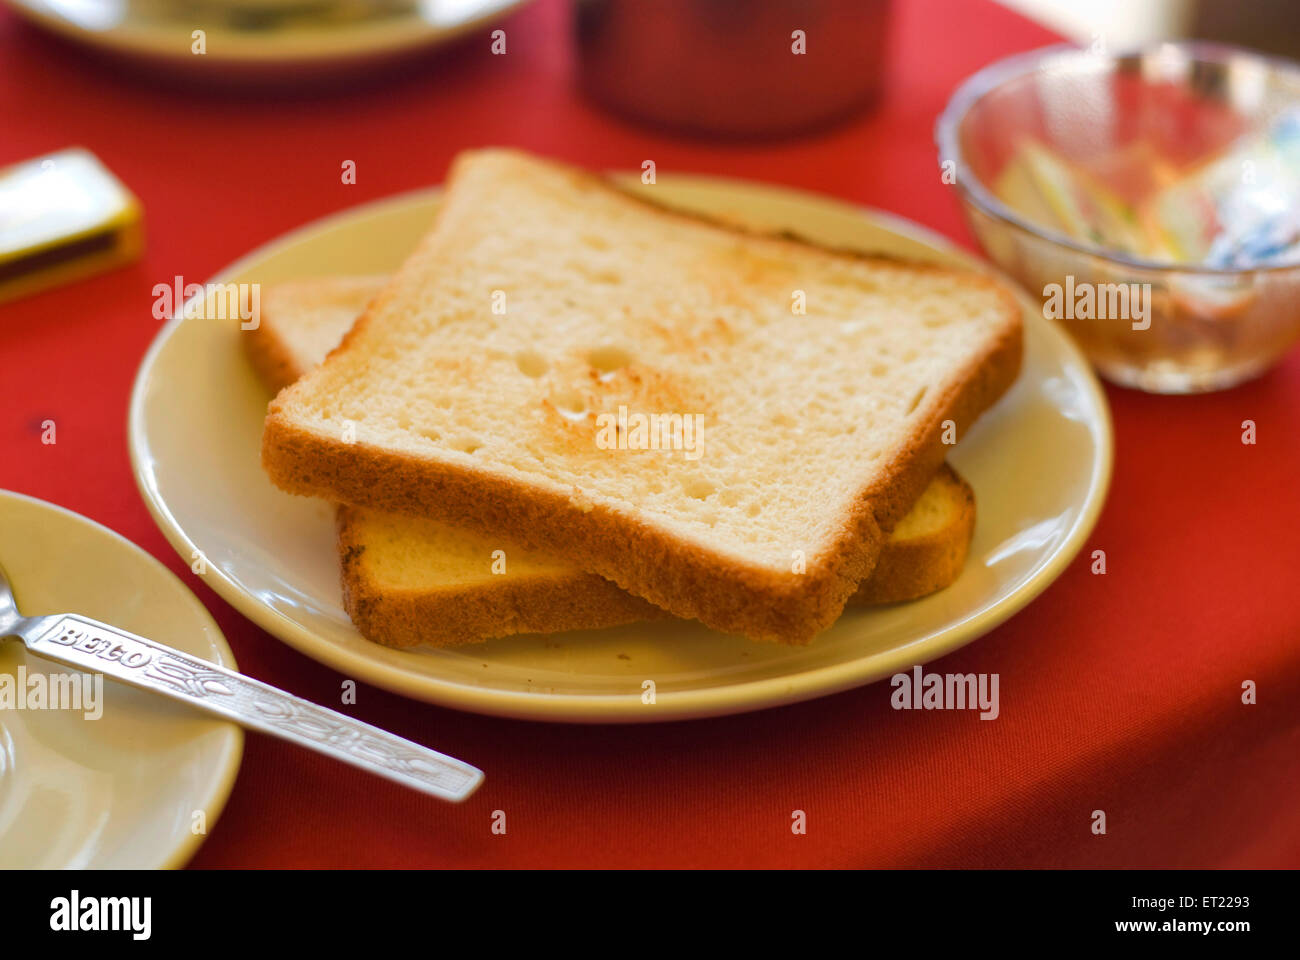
x: 1130, y: 125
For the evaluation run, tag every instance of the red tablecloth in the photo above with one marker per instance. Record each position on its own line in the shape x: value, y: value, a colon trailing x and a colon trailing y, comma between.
x: 1119, y: 692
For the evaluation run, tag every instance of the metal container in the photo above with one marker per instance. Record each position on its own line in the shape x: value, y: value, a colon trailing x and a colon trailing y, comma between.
x: 733, y: 67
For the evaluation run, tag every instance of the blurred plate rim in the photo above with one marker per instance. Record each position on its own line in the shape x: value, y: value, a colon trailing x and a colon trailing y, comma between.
x: 170, y: 42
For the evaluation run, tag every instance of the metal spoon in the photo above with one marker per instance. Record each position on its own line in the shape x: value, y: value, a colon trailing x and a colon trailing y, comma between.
x: 94, y: 647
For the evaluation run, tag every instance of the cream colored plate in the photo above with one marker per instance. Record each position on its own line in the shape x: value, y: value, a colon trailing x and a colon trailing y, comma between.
x: 121, y: 790
x: 286, y: 35
x: 1039, y: 462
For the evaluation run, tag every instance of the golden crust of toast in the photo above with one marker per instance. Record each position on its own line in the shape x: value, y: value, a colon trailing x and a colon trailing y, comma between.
x: 916, y: 563
x: 441, y: 615
x: 435, y: 613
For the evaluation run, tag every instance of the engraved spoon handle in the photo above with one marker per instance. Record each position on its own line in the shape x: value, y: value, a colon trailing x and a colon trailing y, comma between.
x: 96, y: 647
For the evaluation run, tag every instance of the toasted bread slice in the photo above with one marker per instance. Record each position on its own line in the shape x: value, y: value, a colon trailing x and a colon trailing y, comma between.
x: 504, y: 379
x: 928, y: 548
x: 408, y: 581
x: 299, y: 323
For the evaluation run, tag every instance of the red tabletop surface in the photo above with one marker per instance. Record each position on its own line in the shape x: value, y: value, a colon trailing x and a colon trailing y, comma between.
x: 1120, y: 692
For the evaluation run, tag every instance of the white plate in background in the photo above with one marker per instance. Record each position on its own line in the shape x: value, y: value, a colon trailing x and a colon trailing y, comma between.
x: 286, y: 39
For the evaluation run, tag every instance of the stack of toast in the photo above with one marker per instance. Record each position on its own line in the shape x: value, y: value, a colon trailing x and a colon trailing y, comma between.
x: 572, y: 408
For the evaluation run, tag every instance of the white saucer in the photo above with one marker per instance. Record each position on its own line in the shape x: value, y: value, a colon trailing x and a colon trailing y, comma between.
x: 1039, y: 462
x: 128, y: 789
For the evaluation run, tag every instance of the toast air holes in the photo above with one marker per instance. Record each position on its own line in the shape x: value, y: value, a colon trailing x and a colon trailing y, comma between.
x: 467, y: 445
x: 608, y: 359
x: 570, y: 405
x: 531, y: 363
x: 698, y: 489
